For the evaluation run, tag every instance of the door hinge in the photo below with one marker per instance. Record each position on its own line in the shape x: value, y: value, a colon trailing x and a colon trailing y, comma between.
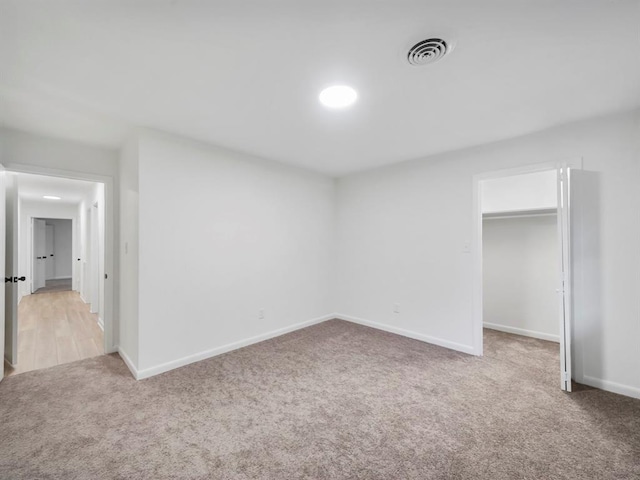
x: 566, y: 377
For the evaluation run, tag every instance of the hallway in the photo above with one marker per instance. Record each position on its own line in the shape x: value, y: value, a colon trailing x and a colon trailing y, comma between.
x: 55, y: 328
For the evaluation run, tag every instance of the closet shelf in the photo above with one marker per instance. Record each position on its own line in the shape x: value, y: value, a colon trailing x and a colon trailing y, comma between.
x: 536, y: 212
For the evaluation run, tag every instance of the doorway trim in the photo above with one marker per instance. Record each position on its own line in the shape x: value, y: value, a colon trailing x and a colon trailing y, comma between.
x: 110, y: 332
x: 476, y: 242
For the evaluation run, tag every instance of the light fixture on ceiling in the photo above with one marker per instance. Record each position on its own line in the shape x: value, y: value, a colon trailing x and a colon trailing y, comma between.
x: 51, y: 197
x: 338, y: 96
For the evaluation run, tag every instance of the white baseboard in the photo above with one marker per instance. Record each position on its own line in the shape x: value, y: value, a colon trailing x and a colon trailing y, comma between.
x: 8, y: 363
x: 165, y: 367
x: 101, y: 323
x: 128, y: 362
x: 609, y: 386
x: 181, y: 362
x: 59, y: 278
x: 407, y: 333
x: 521, y: 331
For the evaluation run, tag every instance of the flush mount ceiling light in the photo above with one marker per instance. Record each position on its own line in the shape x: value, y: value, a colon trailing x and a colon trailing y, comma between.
x: 51, y: 197
x: 338, y: 96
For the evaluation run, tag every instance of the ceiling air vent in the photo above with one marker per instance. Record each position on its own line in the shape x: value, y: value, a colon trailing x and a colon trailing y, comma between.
x: 428, y: 51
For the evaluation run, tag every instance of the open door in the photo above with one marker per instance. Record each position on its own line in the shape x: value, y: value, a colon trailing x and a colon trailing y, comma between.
x: 564, y: 283
x: 2, y: 266
x: 49, y: 252
x: 12, y: 276
x: 39, y: 249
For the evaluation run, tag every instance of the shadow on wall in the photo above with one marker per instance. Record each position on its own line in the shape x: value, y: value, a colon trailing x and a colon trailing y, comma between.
x: 587, y: 275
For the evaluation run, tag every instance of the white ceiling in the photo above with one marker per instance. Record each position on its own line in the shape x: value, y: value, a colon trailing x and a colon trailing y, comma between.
x: 33, y: 187
x: 246, y: 74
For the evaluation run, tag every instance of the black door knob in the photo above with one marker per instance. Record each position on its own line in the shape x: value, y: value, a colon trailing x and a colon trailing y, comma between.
x: 8, y: 279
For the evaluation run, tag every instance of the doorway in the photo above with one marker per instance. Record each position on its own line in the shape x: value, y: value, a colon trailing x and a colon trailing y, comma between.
x: 522, y: 262
x: 52, y: 255
x: 59, y: 312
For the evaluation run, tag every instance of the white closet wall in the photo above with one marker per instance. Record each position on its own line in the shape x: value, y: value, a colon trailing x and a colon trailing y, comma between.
x: 520, y: 266
x: 531, y: 191
x: 520, y: 255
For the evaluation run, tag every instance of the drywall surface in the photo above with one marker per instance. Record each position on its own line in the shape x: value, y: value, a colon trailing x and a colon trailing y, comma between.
x: 62, y: 260
x: 22, y: 148
x: 129, y: 248
x: 403, y: 233
x: 520, y: 265
x: 223, y: 237
x: 531, y: 191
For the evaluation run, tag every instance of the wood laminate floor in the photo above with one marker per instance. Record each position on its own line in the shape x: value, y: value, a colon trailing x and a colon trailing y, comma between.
x: 55, y: 285
x: 55, y: 328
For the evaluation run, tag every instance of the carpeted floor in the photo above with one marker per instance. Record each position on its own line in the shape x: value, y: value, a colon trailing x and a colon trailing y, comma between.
x: 336, y: 400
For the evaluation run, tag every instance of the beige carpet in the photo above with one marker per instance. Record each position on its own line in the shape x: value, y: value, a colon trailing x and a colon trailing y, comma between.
x: 336, y: 400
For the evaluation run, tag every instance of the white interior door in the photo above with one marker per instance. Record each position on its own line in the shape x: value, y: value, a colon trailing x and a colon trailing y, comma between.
x: 3, y: 267
x: 94, y: 262
x: 39, y: 252
x: 12, y: 275
x: 49, y: 262
x: 87, y: 279
x: 564, y: 283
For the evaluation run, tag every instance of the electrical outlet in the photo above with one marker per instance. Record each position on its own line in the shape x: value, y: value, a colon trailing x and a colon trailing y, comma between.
x: 396, y: 308
x: 261, y: 314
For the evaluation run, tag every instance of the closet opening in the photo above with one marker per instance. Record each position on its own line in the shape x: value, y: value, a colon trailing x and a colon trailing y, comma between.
x: 523, y: 307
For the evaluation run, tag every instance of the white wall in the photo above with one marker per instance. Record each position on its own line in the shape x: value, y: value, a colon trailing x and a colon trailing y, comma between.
x: 62, y: 260
x: 403, y: 233
x: 520, y: 275
x: 22, y: 148
x: 531, y: 191
x: 128, y: 248
x: 222, y: 236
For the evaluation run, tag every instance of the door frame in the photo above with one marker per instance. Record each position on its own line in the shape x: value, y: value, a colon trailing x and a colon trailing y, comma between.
x: 110, y: 332
x: 476, y: 243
